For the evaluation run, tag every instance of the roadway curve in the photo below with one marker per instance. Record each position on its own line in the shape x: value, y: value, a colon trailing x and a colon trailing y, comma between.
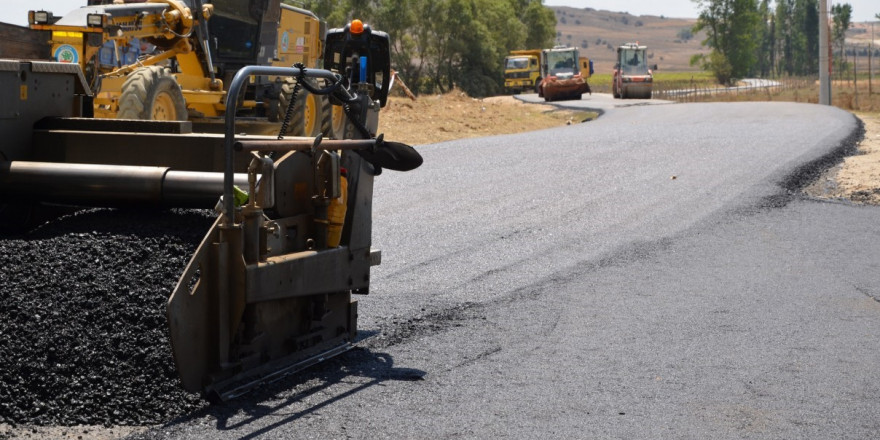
x: 654, y: 273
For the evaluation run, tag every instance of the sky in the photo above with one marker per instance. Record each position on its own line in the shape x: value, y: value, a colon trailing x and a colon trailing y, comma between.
x: 15, y: 11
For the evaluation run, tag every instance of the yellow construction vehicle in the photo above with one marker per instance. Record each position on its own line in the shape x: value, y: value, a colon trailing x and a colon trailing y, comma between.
x: 522, y: 71
x: 269, y: 291
x: 171, y: 59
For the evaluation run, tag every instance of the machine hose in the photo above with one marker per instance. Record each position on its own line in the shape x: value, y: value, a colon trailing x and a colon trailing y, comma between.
x: 302, y: 83
x: 288, y: 113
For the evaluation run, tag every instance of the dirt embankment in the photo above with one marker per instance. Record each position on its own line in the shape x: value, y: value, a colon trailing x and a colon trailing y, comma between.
x: 437, y: 118
x: 858, y: 178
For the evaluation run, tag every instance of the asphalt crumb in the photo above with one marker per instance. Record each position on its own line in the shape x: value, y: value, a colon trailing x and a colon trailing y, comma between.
x: 397, y: 329
x: 83, y: 333
x: 797, y: 181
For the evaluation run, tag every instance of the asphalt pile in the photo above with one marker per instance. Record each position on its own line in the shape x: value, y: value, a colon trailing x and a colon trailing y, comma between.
x: 83, y: 332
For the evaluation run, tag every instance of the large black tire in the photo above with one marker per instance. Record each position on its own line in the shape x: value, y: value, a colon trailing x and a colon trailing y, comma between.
x: 152, y: 93
x: 538, y: 87
x: 311, y: 113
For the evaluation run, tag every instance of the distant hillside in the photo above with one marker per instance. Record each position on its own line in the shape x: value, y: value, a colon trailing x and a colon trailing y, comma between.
x: 599, y: 33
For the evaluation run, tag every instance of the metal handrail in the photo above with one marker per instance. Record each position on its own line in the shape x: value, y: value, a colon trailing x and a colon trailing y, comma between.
x: 232, y: 104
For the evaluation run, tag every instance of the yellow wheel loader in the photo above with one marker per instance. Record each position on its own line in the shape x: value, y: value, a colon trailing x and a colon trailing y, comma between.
x: 172, y: 59
x: 269, y: 290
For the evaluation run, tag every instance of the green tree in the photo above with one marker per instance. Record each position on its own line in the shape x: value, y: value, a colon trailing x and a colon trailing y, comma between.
x: 731, y: 27
x: 766, y: 38
x: 685, y: 34
x: 334, y: 12
x: 399, y: 18
x: 797, y: 37
x: 441, y: 44
x: 841, y: 14
x: 540, y: 24
x: 784, y: 35
x: 806, y: 15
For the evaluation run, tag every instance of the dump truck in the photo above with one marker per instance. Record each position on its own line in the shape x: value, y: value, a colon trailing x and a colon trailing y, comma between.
x: 269, y: 290
x: 632, y: 78
x: 522, y: 71
x: 173, y: 59
x: 563, y: 74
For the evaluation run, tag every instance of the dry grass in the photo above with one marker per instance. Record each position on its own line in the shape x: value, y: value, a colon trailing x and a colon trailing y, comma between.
x: 843, y: 94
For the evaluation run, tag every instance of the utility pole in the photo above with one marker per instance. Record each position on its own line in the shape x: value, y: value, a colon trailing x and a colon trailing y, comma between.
x: 871, y: 62
x: 855, y: 76
x: 824, y: 65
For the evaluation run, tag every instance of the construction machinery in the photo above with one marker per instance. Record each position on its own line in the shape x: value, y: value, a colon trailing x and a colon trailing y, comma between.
x: 269, y: 290
x: 522, y: 71
x: 632, y: 78
x: 563, y: 74
x: 173, y: 59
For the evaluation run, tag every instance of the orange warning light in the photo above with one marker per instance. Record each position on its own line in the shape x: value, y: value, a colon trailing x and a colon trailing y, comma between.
x: 357, y: 27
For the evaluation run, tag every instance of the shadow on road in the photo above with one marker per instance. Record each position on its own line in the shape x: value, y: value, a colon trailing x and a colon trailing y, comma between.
x: 294, y: 397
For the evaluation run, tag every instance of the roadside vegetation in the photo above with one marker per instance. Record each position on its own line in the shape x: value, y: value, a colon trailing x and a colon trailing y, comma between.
x: 861, y: 97
x: 440, y: 45
x: 601, y: 82
x: 760, y: 38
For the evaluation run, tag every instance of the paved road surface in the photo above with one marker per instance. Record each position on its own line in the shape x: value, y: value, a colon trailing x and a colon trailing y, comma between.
x: 600, y: 102
x: 646, y: 275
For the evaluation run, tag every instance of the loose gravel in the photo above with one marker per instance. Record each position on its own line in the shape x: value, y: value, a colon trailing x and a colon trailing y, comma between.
x: 83, y: 333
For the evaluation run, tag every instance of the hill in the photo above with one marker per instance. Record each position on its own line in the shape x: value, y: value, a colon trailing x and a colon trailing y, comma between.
x: 598, y: 33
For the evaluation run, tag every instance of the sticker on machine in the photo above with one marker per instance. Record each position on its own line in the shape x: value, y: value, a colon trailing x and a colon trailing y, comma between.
x: 285, y: 41
x: 300, y: 42
x: 66, y: 54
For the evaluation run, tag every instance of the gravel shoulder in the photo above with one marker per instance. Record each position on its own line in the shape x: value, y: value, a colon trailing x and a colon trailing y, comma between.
x: 857, y: 179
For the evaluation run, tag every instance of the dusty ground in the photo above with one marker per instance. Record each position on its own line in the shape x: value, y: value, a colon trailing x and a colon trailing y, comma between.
x: 438, y: 118
x: 858, y: 178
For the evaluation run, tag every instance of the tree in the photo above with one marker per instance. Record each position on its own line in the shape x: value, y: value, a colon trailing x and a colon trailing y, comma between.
x: 841, y: 14
x: 685, y: 34
x: 807, y: 37
x: 731, y: 27
x: 784, y: 34
x: 334, y: 12
x: 797, y: 37
x: 766, y: 38
x: 540, y: 23
x: 399, y: 19
x: 440, y: 44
